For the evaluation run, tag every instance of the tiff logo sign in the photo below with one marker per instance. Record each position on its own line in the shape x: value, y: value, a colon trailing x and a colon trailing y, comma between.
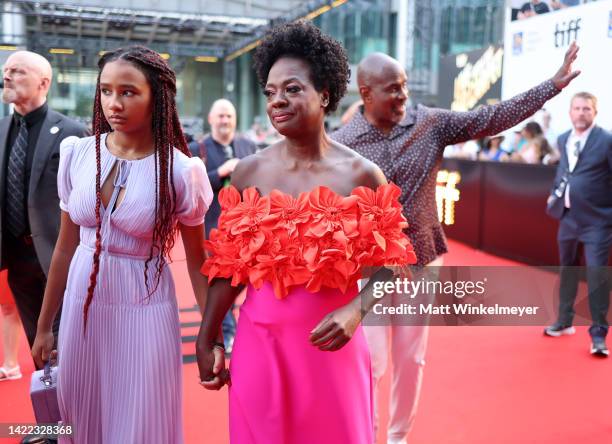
x: 566, y: 32
x: 446, y: 195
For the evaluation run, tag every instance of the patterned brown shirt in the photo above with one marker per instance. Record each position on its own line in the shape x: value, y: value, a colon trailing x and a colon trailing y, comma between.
x: 410, y: 155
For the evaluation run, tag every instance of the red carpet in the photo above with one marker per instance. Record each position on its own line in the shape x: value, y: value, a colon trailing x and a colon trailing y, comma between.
x: 482, y: 385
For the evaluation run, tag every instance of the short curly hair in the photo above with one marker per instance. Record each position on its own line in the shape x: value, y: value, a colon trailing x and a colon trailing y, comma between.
x: 326, y: 57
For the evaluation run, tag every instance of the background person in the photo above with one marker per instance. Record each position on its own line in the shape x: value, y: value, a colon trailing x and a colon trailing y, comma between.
x: 493, y: 151
x: 11, y: 325
x: 535, y: 148
x: 29, y: 206
x: 408, y: 145
x: 533, y: 8
x: 586, y: 165
x: 223, y: 148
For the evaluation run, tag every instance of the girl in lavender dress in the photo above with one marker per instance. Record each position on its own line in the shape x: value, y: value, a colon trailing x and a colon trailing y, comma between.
x: 124, y: 192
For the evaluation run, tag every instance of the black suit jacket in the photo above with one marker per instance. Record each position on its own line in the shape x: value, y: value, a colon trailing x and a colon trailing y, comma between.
x: 43, y: 201
x: 214, y: 158
x: 591, y: 181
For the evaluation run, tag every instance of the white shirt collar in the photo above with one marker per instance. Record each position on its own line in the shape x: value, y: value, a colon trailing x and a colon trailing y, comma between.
x: 584, y: 136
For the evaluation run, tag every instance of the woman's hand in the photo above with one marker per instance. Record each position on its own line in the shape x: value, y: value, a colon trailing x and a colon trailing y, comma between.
x: 211, y: 363
x: 337, y: 328
x: 209, y: 351
x: 42, y: 350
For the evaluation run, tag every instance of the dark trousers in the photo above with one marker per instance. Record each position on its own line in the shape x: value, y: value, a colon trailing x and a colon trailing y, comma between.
x: 27, y: 282
x: 596, y: 244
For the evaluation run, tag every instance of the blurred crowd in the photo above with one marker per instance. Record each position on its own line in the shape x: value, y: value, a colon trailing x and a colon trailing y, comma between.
x: 532, y: 141
x: 261, y: 133
x: 522, y: 9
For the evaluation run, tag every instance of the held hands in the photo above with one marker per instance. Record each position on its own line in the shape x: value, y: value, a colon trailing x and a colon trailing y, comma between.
x: 565, y: 75
x: 228, y: 167
x: 337, y: 328
x: 211, y: 363
x: 42, y: 350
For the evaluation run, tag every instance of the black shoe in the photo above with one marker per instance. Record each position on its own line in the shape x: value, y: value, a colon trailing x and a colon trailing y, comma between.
x: 558, y: 329
x: 598, y: 341
x: 598, y: 347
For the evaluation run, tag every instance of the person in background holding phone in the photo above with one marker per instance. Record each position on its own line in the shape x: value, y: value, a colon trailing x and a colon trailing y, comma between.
x: 223, y: 149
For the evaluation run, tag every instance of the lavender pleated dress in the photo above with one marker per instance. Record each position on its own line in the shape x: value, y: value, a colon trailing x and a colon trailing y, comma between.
x: 121, y: 380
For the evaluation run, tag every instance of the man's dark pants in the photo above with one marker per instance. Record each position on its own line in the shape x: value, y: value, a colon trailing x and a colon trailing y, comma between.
x: 27, y: 282
x: 596, y: 243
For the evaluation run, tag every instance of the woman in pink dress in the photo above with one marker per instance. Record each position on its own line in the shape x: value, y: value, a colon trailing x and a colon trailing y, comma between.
x: 124, y: 192
x: 312, y: 215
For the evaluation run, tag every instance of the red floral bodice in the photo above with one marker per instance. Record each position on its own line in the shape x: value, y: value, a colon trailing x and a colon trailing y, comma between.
x: 317, y: 239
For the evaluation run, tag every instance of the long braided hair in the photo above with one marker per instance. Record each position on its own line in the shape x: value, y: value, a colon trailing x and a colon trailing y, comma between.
x: 167, y: 134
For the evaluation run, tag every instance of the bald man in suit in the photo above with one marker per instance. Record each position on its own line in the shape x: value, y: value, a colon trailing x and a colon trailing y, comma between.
x: 29, y: 204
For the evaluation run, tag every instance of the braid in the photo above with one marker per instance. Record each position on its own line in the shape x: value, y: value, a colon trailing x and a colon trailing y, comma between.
x: 99, y: 125
x: 167, y: 135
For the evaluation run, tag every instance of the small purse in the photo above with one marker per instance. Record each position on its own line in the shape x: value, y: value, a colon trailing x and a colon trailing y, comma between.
x: 43, y: 391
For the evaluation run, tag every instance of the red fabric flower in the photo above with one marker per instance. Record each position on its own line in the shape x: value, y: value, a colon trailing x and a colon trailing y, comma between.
x: 243, y: 222
x: 229, y: 198
x: 287, y: 212
x: 249, y: 213
x: 332, y: 212
x: 319, y: 239
x: 226, y: 260
x: 333, y: 270
x: 381, y: 225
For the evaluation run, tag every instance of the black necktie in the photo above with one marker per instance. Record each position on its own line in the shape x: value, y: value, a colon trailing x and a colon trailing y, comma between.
x: 577, y: 149
x: 15, y: 182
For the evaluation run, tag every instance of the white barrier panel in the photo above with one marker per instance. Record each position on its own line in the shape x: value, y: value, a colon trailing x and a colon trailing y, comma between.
x: 534, y: 50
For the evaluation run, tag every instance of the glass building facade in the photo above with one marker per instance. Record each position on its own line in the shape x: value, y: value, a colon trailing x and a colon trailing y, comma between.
x: 363, y: 27
x: 430, y: 29
x: 434, y: 28
x: 443, y: 27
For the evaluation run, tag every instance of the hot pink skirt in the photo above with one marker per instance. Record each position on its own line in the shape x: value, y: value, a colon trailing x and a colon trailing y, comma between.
x: 286, y: 391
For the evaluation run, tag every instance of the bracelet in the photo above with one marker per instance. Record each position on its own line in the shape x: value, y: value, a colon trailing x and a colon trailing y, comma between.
x: 220, y: 345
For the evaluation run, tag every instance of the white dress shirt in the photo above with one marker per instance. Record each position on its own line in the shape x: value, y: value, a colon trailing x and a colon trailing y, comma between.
x: 574, y: 146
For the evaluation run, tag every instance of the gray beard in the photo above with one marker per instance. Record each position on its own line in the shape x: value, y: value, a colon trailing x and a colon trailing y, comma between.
x: 9, y: 96
x: 224, y: 132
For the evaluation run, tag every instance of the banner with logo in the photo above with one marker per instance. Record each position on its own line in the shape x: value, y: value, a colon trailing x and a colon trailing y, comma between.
x: 534, y: 51
x: 470, y: 79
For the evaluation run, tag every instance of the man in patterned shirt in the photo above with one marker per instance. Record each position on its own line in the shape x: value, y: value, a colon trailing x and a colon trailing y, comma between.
x: 407, y: 144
